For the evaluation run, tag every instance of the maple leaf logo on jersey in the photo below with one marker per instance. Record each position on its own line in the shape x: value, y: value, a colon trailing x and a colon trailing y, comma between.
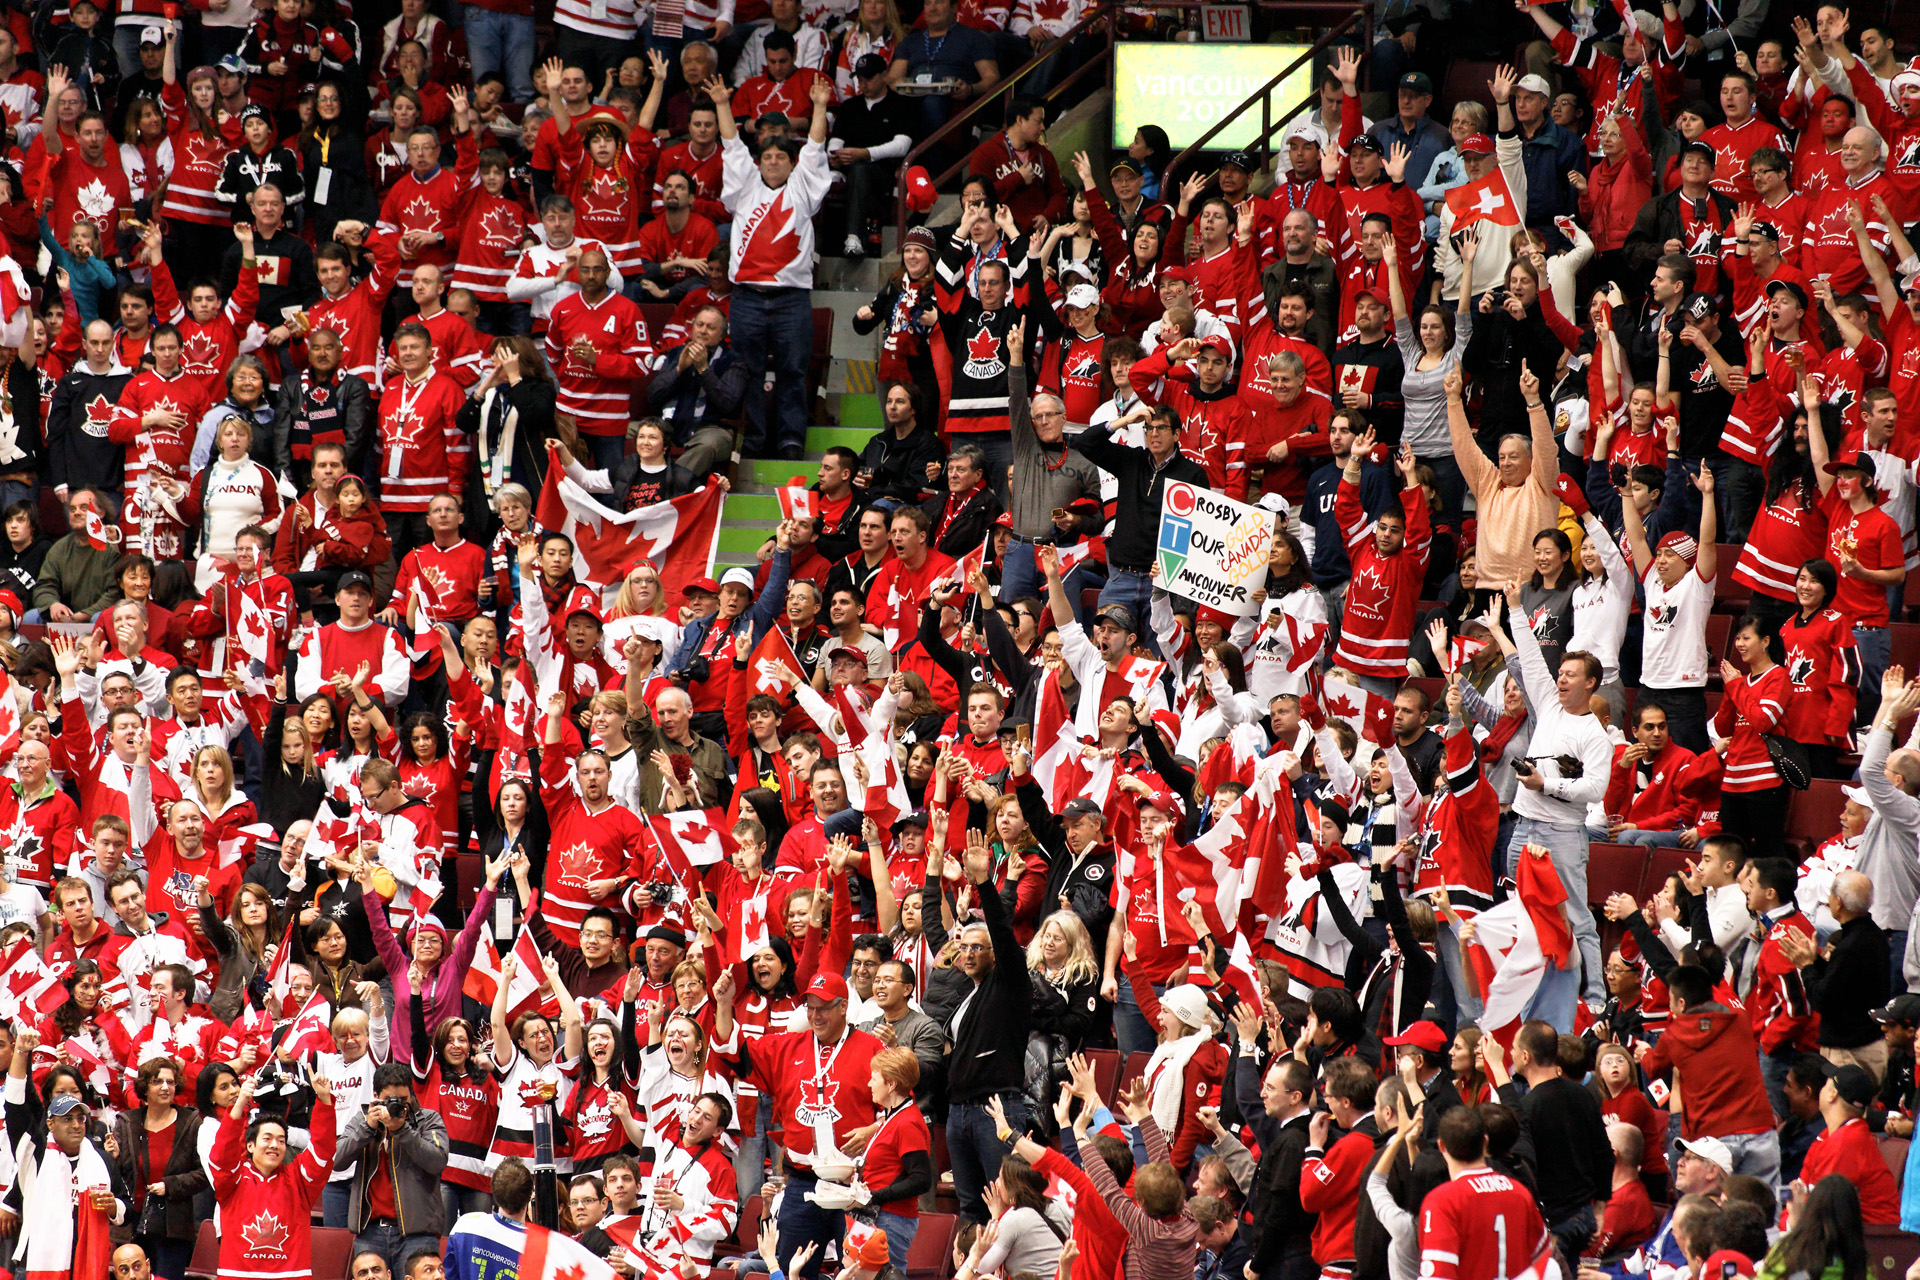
x: 1799, y: 669
x: 95, y: 200
x: 576, y: 865
x: 422, y: 213
x: 594, y: 1122
x: 403, y: 430
x: 201, y: 354
x: 1370, y: 578
x: 983, y: 356
x: 604, y: 197
x: 99, y: 417
x: 500, y: 228
x: 817, y: 1099
x: 1084, y: 367
x: 1843, y: 401
x: 1662, y: 614
x: 266, y: 1234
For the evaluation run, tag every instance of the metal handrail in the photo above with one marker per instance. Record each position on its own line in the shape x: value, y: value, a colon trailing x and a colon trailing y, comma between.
x: 1361, y: 13
x: 1003, y: 88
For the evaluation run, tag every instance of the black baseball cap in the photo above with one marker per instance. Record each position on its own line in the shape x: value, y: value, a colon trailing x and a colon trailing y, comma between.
x: 1119, y: 615
x: 1240, y: 160
x: 1854, y: 1086
x: 1699, y: 306
x: 1081, y: 807
x: 870, y: 65
x: 1367, y: 142
x: 1768, y: 230
x: 1697, y: 147
x: 1904, y: 1007
x: 1776, y: 284
x: 1416, y: 82
x: 354, y: 578
x: 911, y: 818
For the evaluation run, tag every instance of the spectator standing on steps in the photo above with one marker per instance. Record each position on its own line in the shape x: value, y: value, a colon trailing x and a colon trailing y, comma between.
x: 773, y: 193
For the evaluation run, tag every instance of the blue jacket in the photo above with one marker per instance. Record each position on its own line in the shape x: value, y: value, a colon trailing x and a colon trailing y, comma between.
x: 1424, y: 143
x: 1547, y: 156
x: 1329, y: 564
x: 89, y: 279
x: 1671, y: 514
x: 760, y: 616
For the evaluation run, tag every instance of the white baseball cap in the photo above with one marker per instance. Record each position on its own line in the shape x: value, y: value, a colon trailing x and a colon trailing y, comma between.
x: 1307, y: 131
x: 1536, y: 84
x: 1274, y: 502
x: 738, y: 576
x: 1083, y: 295
x: 1712, y: 1150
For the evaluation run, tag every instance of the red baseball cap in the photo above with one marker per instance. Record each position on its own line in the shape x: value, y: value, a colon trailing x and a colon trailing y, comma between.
x: 1479, y: 145
x: 1219, y: 342
x: 1421, y: 1035
x: 1182, y: 274
x: 917, y: 190
x: 706, y: 584
x: 828, y: 986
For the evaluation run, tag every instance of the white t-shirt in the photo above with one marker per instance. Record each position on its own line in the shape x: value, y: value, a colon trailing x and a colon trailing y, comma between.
x: 352, y: 1091
x: 1674, y: 647
x: 22, y: 903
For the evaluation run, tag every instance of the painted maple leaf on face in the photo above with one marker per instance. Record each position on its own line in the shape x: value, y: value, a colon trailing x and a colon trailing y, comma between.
x: 266, y: 1234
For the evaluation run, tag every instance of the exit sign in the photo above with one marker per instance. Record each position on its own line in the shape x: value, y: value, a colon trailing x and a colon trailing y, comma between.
x: 1225, y: 22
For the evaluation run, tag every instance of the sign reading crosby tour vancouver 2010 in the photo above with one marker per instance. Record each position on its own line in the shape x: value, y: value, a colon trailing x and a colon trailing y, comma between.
x: 1212, y: 549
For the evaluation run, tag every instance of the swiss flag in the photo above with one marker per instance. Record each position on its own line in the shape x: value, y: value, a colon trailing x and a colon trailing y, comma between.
x: 1487, y: 200
x: 311, y: 1030
x: 763, y: 664
x: 796, y: 500
x: 1370, y: 714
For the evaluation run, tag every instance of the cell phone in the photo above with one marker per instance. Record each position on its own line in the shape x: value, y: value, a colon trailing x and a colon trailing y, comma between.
x: 1523, y: 768
x: 1023, y: 734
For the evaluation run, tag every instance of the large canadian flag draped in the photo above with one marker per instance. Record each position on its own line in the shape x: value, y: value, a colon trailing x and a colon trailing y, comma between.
x: 1060, y: 764
x: 1488, y: 200
x: 677, y: 537
x: 29, y: 987
x: 1515, y: 941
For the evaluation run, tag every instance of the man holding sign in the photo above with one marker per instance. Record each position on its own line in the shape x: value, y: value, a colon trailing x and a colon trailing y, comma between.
x: 1143, y: 475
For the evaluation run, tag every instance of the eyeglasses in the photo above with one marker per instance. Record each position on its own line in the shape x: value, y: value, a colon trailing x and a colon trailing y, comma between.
x: 976, y: 946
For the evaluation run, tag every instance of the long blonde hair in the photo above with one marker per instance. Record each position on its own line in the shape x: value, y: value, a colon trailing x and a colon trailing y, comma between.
x: 219, y: 755
x: 626, y: 605
x: 1080, y: 965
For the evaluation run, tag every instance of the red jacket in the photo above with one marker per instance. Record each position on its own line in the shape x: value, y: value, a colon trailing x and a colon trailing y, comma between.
x: 1711, y: 1050
x: 1777, y: 1001
x: 1616, y: 192
x: 1661, y: 806
x: 268, y: 1218
x: 1330, y: 1187
x: 999, y: 164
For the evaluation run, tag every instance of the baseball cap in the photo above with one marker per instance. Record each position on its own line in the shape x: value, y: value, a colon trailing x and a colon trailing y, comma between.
x: 1083, y: 295
x: 1860, y: 797
x: 912, y: 818
x: 1698, y: 148
x: 353, y: 578
x: 1276, y: 503
x: 1367, y: 142
x: 738, y: 576
x: 1004, y: 520
x: 1307, y: 131
x: 1712, y: 1150
x: 917, y: 189
x: 1725, y: 1264
x: 847, y: 653
x: 1125, y: 163
x: 707, y: 585
x: 1699, y: 306
x: 870, y: 65
x: 1219, y: 342
x: 1851, y: 462
x: 1854, y: 1086
x: 1081, y: 807
x: 1119, y: 615
x: 1421, y: 1035
x: 1416, y: 81
x: 153, y: 35
x: 1768, y: 230
x: 1535, y: 84
x: 1776, y: 285
x: 586, y: 608
x: 1219, y: 618
x: 1240, y: 160
x: 12, y: 602
x: 1477, y: 145
x: 1165, y: 801
x: 1183, y: 274
x: 232, y: 65
x: 773, y: 120
x: 828, y: 987
x: 64, y: 1104
x: 1681, y: 544
x: 1904, y: 1007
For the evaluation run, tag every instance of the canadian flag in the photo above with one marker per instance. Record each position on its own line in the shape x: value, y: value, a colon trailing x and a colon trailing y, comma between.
x: 280, y: 976
x: 253, y: 634
x: 796, y: 500
x: 693, y: 838
x: 1515, y: 941
x: 16, y: 303
x: 530, y: 972
x: 975, y: 561
x: 1462, y: 649
x: 311, y: 1030
x: 548, y: 1255
x: 29, y: 986
x: 677, y: 537
x: 426, y: 637
x: 1056, y: 745
x: 1370, y: 714
x: 763, y: 664
x: 1074, y: 553
x: 238, y: 847
x: 9, y: 717
x: 98, y: 1073
x: 97, y: 536
x: 1488, y: 200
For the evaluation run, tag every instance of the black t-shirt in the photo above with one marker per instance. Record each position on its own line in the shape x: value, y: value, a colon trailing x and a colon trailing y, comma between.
x: 1705, y: 405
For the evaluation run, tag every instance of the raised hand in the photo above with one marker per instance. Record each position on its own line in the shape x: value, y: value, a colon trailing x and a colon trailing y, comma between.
x: 1346, y: 66
x: 1397, y: 156
x: 1501, y: 86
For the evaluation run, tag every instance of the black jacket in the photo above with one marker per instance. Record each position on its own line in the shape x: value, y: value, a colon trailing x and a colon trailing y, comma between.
x: 1561, y: 1117
x: 306, y: 411
x: 246, y: 171
x: 897, y: 468
x: 349, y: 194
x: 1848, y: 983
x: 20, y: 570
x: 1086, y: 881
x: 287, y: 277
x: 1660, y: 221
x: 1274, y: 1212
x: 77, y: 449
x: 972, y: 520
x: 183, y: 1175
x: 989, y: 1047
x: 690, y: 399
x: 1495, y: 353
x: 530, y: 402
x: 1416, y: 966
x: 1141, y: 486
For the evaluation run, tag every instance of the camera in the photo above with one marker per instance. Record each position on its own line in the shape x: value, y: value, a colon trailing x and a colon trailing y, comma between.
x: 661, y: 892
x: 1523, y: 768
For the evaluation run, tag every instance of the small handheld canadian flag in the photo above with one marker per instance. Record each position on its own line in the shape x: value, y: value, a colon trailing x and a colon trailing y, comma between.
x: 796, y: 500
x: 99, y: 536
